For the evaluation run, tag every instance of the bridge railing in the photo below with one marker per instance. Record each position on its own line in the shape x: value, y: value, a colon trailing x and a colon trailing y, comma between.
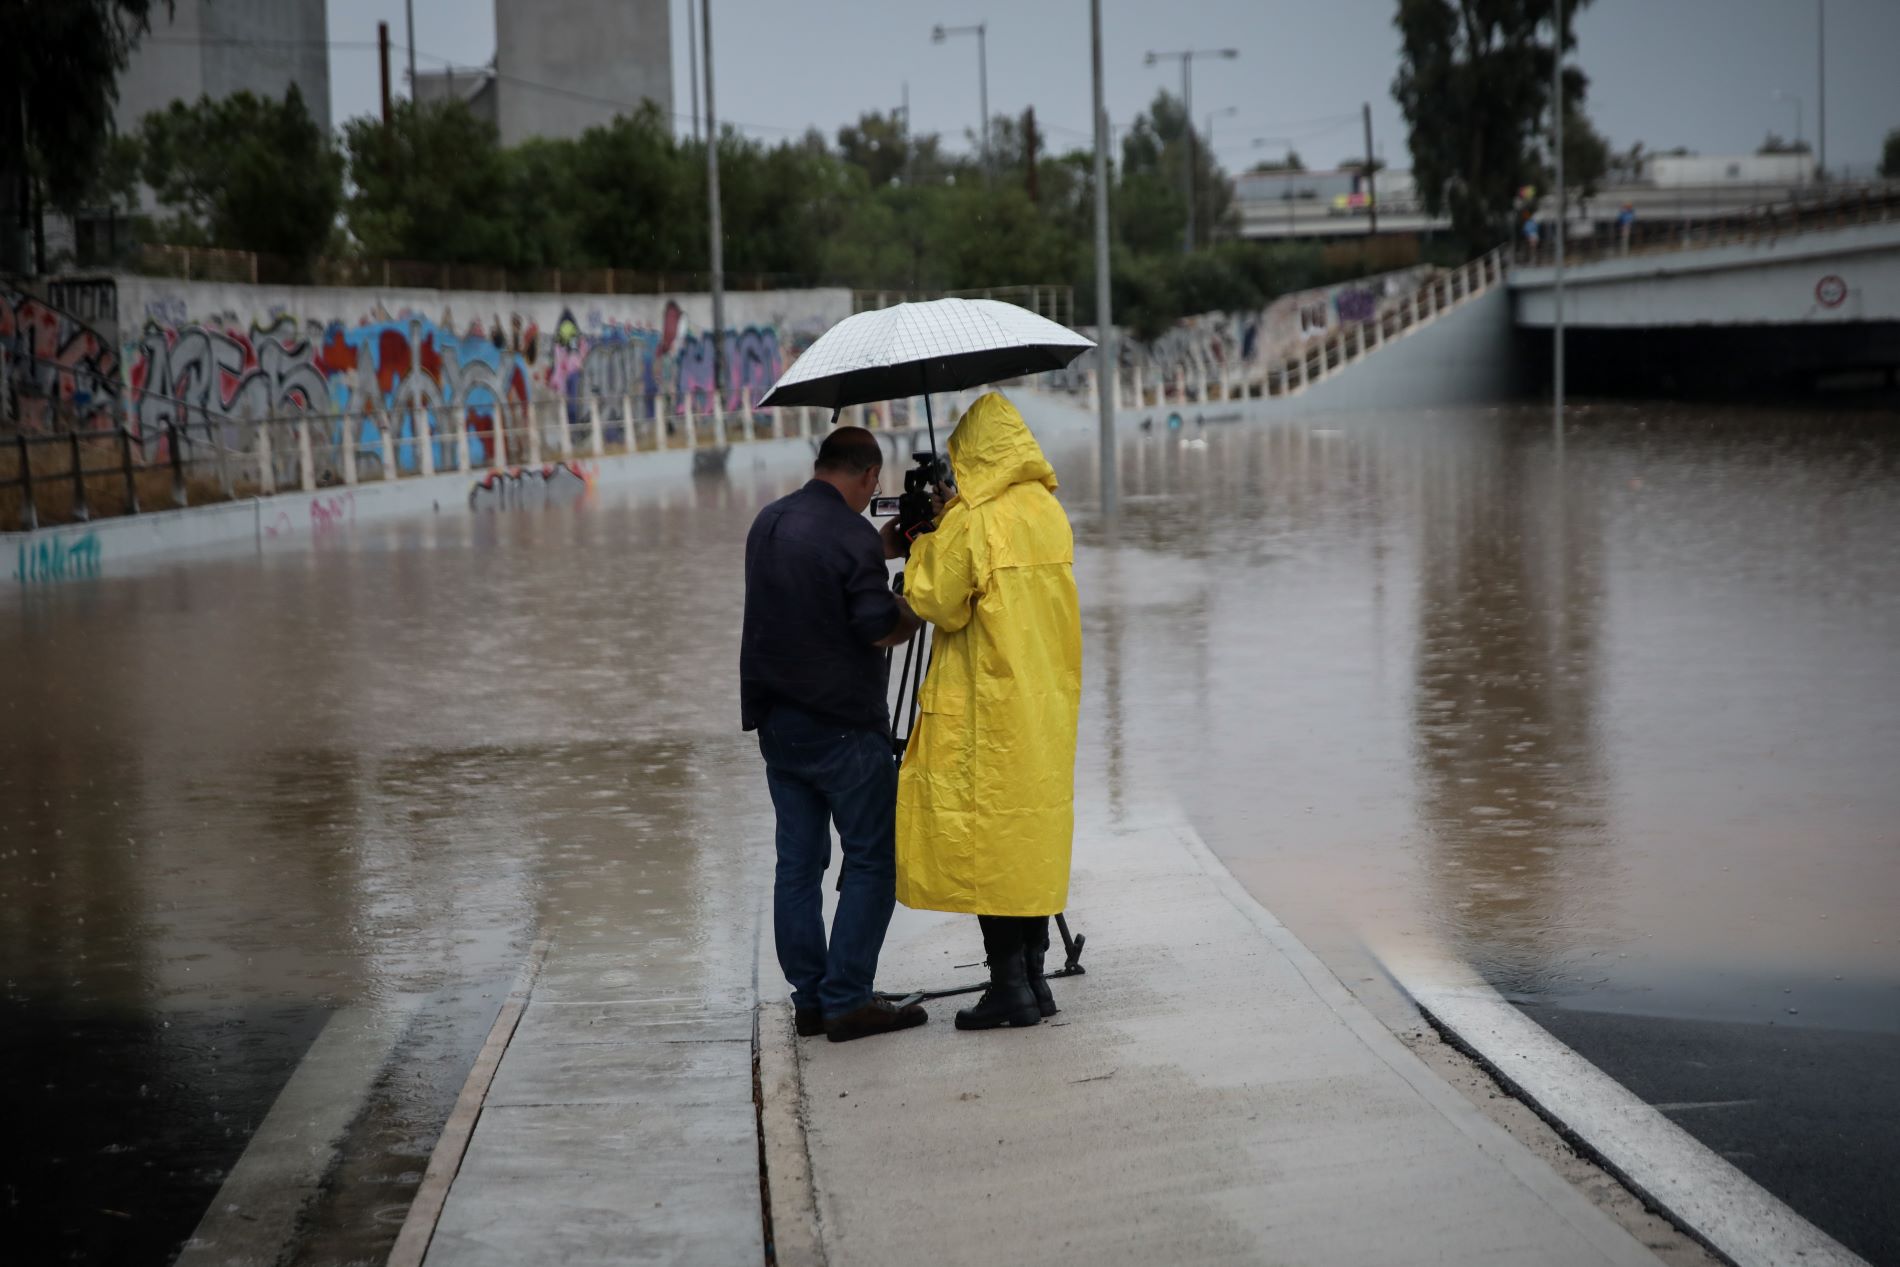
x: 87, y: 462
x: 1291, y: 373
x: 1764, y: 222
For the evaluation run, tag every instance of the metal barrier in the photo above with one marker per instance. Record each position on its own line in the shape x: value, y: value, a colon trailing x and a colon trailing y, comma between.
x: 1319, y: 358
x: 1765, y: 222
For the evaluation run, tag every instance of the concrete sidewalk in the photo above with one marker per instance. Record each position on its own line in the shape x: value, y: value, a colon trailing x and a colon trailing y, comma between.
x: 1209, y: 1093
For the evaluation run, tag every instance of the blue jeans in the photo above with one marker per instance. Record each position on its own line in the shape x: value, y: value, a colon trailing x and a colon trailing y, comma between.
x: 820, y: 772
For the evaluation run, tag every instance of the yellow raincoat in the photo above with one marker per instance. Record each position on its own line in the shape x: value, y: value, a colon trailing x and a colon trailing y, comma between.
x: 986, y: 796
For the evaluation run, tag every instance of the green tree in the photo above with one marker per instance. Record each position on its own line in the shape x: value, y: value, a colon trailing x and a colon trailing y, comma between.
x: 59, y: 67
x: 1777, y: 144
x: 1890, y: 156
x: 1152, y: 200
x: 433, y: 185
x: 1474, y: 85
x: 1586, y: 154
x: 1291, y: 163
x: 245, y: 172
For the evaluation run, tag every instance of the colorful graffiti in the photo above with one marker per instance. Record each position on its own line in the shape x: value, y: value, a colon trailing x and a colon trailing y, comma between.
x: 56, y: 560
x: 57, y: 367
x: 532, y: 488
x: 622, y: 363
x: 424, y: 380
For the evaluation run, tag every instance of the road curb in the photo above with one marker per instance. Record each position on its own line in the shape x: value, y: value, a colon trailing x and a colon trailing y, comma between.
x: 425, y: 1211
x: 1670, y: 1170
x: 785, y: 1163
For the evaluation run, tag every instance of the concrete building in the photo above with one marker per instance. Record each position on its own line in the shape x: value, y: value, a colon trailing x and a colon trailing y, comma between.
x: 473, y: 86
x: 564, y: 66
x: 213, y: 48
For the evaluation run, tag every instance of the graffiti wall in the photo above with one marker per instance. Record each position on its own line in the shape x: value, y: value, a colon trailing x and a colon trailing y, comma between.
x: 56, y: 367
x: 424, y: 362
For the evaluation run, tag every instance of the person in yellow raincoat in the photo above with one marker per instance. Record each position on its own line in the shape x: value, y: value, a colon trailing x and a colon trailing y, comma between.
x: 986, y: 796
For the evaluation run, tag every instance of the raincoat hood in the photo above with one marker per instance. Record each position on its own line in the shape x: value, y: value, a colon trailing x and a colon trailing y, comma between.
x: 993, y: 448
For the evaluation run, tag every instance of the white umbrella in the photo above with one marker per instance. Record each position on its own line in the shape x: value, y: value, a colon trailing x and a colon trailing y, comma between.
x: 942, y: 345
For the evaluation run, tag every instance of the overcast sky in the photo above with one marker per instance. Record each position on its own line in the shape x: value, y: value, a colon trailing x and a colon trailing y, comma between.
x: 1700, y: 73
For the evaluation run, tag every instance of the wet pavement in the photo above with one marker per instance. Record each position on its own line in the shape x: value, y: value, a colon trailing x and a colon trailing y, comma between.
x: 1623, y: 738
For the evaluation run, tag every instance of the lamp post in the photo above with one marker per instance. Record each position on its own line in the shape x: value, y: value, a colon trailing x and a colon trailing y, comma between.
x: 1212, y: 115
x: 1779, y: 95
x: 1557, y: 235
x: 1820, y: 41
x: 1186, y: 58
x: 1107, y: 373
x: 712, y: 214
x: 941, y: 33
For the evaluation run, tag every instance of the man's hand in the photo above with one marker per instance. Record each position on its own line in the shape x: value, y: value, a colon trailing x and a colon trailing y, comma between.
x: 908, y: 623
x: 895, y: 547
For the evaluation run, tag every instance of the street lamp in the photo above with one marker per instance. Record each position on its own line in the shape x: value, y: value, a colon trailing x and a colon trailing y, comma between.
x: 1186, y: 58
x: 938, y: 35
x: 1779, y: 95
x: 1212, y: 115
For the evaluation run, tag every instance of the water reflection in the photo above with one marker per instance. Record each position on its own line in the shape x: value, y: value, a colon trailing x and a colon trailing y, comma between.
x: 1511, y: 790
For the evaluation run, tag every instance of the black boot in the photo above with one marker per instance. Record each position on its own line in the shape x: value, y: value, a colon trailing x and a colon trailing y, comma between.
x: 1008, y: 1000
x: 1035, y: 946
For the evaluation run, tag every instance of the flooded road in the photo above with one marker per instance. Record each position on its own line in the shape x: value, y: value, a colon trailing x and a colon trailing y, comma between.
x: 1623, y: 734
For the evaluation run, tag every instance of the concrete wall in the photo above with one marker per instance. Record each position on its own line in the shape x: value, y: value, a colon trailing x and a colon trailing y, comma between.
x: 619, y: 51
x: 1465, y: 357
x: 300, y: 520
x: 1789, y: 281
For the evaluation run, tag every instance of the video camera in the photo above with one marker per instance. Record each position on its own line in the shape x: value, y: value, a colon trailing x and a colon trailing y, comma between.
x: 912, y: 507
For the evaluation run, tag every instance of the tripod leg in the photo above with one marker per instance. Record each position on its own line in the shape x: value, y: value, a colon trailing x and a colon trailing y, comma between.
x: 1071, y: 948
x: 923, y: 660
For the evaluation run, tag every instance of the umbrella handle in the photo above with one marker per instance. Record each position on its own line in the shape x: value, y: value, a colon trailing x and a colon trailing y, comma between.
x: 930, y: 423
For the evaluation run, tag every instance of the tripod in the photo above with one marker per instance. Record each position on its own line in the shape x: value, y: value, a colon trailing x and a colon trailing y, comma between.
x: 910, y: 681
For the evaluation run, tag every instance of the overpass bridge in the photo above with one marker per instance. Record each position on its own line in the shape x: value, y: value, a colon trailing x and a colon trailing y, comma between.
x: 1792, y: 297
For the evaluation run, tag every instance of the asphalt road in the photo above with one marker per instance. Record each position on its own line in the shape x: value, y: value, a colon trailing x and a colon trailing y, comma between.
x: 1811, y: 1114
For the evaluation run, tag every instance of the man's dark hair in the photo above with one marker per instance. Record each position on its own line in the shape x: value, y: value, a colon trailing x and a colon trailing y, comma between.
x: 849, y: 449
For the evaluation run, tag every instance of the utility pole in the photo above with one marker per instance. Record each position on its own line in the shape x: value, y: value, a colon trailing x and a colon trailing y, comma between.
x: 1372, y: 201
x: 712, y: 198
x: 1821, y: 45
x: 409, y: 6
x: 382, y: 56
x: 692, y: 62
x: 1557, y: 235
x: 1029, y: 152
x: 906, y: 134
x: 1105, y: 362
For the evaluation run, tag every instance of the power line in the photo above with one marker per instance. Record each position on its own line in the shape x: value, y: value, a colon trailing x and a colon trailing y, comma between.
x: 220, y: 41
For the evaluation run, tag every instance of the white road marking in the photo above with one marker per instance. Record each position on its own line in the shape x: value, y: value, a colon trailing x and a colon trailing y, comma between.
x: 254, y: 1215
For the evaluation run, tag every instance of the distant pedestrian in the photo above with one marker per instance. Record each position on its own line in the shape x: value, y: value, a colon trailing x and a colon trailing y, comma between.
x: 1625, y: 221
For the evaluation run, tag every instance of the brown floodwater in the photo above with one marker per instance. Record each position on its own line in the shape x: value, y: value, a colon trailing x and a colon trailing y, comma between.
x: 1620, y: 727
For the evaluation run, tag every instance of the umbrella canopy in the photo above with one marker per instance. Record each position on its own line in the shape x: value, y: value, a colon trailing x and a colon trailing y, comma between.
x: 943, y: 345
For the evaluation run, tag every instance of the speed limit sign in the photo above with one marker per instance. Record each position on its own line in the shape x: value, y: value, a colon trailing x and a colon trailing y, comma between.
x: 1831, y: 291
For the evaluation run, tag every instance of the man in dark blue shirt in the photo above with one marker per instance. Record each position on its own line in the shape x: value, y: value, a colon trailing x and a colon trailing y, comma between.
x: 819, y: 614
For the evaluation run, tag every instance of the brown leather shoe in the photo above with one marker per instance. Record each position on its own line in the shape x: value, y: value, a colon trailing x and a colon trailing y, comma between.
x: 809, y: 1020
x: 879, y: 1016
